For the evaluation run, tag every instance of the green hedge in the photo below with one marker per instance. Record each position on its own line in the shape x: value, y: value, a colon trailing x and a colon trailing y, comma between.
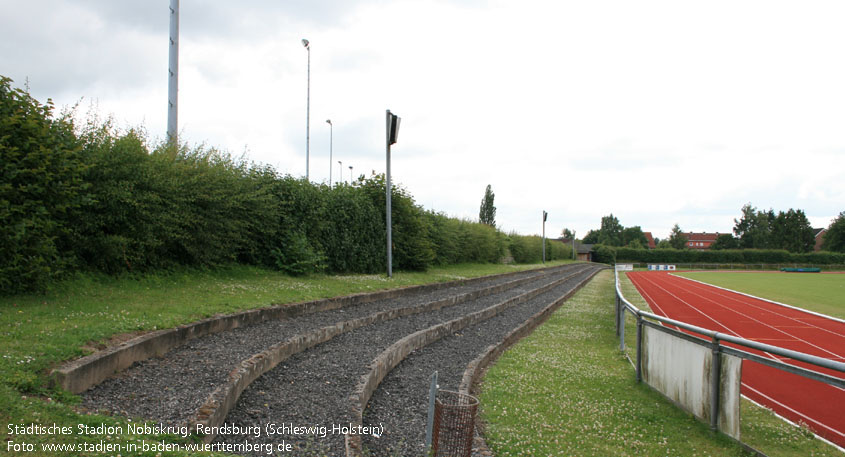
x: 95, y: 198
x: 40, y: 188
x: 608, y: 254
x: 529, y: 249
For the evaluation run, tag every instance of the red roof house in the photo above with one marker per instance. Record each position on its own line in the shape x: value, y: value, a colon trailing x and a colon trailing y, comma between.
x: 650, y: 240
x: 819, y: 232
x: 701, y: 240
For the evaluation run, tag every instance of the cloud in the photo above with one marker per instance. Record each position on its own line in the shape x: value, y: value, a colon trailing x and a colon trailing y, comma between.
x: 659, y: 111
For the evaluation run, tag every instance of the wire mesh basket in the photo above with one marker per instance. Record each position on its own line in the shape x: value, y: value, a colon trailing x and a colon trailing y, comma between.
x: 454, y: 424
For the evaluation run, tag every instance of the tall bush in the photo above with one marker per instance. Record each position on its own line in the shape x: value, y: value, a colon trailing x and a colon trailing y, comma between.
x: 104, y: 199
x: 41, y: 186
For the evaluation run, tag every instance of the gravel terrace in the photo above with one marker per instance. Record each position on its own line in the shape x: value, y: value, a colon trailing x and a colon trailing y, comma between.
x: 312, y: 388
x: 400, y: 403
x: 171, y: 388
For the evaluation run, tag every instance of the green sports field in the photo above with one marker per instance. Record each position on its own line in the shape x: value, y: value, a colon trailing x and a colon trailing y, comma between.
x: 820, y: 292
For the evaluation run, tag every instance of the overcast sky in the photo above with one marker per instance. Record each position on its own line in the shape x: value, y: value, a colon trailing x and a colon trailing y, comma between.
x: 659, y: 112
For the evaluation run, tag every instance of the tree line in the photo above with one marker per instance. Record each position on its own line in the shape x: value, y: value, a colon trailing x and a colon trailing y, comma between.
x: 77, y: 198
x: 755, y: 229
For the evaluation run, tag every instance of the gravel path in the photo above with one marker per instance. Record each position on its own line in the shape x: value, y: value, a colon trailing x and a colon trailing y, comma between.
x: 171, y: 388
x: 313, y: 388
x: 400, y: 404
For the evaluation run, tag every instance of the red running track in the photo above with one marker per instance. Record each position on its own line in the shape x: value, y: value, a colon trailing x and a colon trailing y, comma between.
x: 819, y: 405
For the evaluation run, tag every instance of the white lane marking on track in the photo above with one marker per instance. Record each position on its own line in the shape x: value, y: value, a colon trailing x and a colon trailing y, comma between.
x: 733, y: 295
x: 693, y: 307
x: 651, y: 301
x: 827, y: 427
x: 796, y: 338
x: 772, y: 356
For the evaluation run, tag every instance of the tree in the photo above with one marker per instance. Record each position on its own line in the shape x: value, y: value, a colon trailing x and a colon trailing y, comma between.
x: 487, y: 212
x: 567, y: 234
x: 634, y: 237
x: 610, y: 233
x: 792, y: 231
x: 724, y: 241
x: 754, y: 228
x: 677, y: 239
x: 592, y: 237
x: 834, y: 238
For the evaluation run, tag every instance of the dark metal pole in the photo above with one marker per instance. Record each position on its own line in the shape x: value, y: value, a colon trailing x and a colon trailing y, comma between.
x: 715, y: 378
x: 639, y: 348
x: 387, y: 197
x: 331, y: 132
x: 308, y: 112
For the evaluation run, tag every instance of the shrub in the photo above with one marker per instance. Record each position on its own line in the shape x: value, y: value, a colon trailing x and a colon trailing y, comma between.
x: 102, y: 199
x: 41, y: 187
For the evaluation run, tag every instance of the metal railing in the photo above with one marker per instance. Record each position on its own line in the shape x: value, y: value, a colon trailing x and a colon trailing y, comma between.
x: 715, y: 343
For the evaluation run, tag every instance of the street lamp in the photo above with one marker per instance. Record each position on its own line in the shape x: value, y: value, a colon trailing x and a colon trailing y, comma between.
x: 308, y: 110
x: 545, y: 216
x: 350, y: 174
x: 331, y: 128
x: 340, y: 171
x: 392, y: 131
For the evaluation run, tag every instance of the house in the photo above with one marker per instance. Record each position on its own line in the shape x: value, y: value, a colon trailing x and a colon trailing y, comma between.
x: 819, y: 234
x: 650, y: 239
x: 701, y: 240
x: 584, y: 252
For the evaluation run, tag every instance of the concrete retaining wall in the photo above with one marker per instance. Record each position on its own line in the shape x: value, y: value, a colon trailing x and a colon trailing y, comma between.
x: 81, y: 374
x: 393, y: 355
x: 476, y: 368
x: 215, y: 409
x: 681, y: 370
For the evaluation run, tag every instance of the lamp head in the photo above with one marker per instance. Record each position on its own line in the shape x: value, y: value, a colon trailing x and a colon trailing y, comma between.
x: 305, y: 43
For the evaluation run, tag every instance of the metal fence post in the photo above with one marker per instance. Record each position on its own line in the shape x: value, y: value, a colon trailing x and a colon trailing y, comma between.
x: 432, y: 394
x: 618, y: 302
x: 639, y: 348
x: 622, y: 328
x: 715, y: 375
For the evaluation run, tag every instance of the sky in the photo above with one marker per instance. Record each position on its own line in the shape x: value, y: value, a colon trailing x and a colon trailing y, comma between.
x: 659, y: 112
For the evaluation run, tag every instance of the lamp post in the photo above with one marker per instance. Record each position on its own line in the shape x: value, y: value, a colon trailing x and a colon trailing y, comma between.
x: 308, y: 110
x: 392, y: 132
x: 340, y: 171
x: 331, y: 133
x: 545, y: 216
x: 350, y: 175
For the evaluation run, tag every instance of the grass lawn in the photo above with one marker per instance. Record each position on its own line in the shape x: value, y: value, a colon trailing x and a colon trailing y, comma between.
x: 567, y: 390
x: 819, y: 292
x: 38, y: 332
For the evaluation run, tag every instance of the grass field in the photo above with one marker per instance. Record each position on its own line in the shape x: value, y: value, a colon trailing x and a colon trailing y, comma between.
x: 822, y: 293
x: 38, y: 332
x: 567, y: 390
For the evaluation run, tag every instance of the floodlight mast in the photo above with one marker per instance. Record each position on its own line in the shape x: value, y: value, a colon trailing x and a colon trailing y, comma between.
x: 308, y: 111
x: 545, y: 216
x: 173, y: 76
x: 392, y: 130
x: 331, y: 133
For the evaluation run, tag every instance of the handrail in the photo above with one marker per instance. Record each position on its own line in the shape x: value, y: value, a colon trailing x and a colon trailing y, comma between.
x: 717, y: 336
